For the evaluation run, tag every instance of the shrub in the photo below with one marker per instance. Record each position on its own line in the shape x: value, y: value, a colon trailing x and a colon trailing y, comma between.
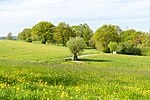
x: 126, y: 48
x: 121, y: 49
x: 145, y: 50
x: 112, y: 46
x: 28, y: 40
x: 133, y: 51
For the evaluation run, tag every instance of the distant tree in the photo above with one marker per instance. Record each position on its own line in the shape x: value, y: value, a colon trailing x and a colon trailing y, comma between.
x: 43, y: 31
x: 9, y: 36
x: 112, y: 46
x: 25, y: 34
x: 92, y: 43
x: 105, y: 34
x: 133, y: 35
x: 63, y: 32
x: 76, y: 45
x: 77, y: 30
x: 84, y: 31
x: 146, y: 40
x: 129, y: 48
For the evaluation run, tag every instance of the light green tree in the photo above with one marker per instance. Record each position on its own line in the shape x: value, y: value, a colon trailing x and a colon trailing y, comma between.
x: 105, y: 34
x: 76, y: 45
x: 112, y: 46
x: 132, y: 35
x: 25, y: 34
x: 43, y: 31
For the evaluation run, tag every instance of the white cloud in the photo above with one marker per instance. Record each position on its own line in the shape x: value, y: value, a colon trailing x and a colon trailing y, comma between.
x: 18, y: 14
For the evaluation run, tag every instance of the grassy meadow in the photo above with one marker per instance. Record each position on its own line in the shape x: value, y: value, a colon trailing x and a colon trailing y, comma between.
x: 31, y: 71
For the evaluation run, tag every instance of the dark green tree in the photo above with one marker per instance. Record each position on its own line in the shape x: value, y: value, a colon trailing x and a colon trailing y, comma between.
x: 43, y: 31
x: 84, y: 31
x: 63, y: 32
x: 26, y: 33
x: 105, y: 34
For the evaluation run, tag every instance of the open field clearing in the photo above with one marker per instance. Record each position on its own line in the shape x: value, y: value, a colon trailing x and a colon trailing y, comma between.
x: 31, y: 72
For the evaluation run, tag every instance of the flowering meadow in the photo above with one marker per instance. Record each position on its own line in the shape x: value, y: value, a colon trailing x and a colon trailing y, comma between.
x: 38, y: 72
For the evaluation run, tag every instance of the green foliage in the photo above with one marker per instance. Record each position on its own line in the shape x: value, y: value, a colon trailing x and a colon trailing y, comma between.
x: 128, y: 48
x: 63, y: 32
x: 112, y: 46
x: 9, y: 36
x: 132, y: 35
x: 92, y: 43
x: 25, y: 34
x: 145, y: 50
x: 133, y: 51
x: 106, y: 34
x: 128, y: 40
x: 121, y: 48
x: 84, y: 31
x: 76, y: 45
x: 28, y: 40
x: 146, y: 40
x: 43, y: 31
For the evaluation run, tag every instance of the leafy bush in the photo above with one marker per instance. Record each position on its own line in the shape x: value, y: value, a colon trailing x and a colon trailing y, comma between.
x: 112, y: 46
x: 126, y: 48
x: 121, y: 49
x: 133, y: 51
x: 145, y: 50
x: 28, y: 40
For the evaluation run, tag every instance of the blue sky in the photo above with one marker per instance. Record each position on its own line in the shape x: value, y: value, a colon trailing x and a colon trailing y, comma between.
x: 15, y: 15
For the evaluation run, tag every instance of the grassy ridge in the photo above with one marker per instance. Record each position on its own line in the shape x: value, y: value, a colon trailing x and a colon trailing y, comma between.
x: 101, y: 76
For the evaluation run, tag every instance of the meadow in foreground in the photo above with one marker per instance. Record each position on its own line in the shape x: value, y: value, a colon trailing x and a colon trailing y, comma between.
x: 101, y: 76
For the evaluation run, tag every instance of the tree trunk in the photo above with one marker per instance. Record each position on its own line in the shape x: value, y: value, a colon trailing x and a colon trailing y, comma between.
x: 75, y: 57
x: 63, y: 41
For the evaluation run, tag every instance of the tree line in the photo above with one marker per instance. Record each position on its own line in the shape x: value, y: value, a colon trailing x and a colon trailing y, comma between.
x: 46, y: 32
x: 108, y: 38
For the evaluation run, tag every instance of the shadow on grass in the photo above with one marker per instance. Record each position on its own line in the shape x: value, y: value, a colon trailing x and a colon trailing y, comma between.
x: 94, y: 60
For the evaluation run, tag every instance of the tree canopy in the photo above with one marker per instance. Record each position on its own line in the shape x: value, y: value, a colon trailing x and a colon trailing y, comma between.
x: 26, y: 33
x: 106, y: 34
x: 84, y: 31
x: 63, y: 32
x: 76, y: 45
x: 43, y: 31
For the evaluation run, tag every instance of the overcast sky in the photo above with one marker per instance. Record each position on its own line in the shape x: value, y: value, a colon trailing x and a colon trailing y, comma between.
x: 15, y: 15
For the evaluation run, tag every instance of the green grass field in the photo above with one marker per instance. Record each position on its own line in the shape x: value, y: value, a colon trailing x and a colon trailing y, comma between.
x: 30, y: 71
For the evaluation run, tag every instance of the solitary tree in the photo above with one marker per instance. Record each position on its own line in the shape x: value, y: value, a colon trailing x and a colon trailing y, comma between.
x: 76, y: 45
